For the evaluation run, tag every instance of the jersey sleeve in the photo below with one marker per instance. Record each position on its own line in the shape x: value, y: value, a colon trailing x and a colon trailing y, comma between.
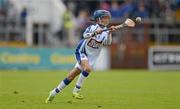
x: 89, y: 32
x: 108, y: 39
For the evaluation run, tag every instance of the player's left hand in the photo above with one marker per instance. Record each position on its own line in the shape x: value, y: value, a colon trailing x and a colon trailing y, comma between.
x: 113, y: 28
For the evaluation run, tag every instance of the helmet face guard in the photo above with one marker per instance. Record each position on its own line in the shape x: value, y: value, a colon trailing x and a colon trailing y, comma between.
x: 100, y: 14
x: 104, y: 20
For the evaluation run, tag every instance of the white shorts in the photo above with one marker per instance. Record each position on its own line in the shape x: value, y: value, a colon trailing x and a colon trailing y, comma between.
x: 81, y: 57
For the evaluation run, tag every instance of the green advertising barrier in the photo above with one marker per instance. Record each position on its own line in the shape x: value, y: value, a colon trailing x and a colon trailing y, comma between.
x: 36, y: 58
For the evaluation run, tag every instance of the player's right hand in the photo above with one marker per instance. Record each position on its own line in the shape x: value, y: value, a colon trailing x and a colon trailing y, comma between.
x: 98, y: 31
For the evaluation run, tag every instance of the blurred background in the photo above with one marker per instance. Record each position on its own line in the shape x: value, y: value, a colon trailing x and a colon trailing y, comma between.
x: 42, y: 34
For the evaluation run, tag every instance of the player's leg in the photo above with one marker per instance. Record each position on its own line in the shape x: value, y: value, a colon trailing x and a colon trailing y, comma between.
x: 72, y: 74
x: 86, y: 69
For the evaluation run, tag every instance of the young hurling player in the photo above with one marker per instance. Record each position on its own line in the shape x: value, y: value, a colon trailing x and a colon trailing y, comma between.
x: 87, y: 52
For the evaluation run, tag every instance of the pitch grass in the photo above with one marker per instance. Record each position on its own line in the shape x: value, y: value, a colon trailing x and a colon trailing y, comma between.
x: 117, y: 89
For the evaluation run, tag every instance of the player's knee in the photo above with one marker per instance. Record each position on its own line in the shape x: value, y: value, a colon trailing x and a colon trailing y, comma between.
x: 87, y: 69
x: 71, y: 77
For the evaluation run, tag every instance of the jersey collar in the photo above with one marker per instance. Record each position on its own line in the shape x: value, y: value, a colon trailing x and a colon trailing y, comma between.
x: 102, y: 26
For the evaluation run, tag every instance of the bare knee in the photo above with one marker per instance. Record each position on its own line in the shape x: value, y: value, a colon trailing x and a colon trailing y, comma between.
x: 71, y: 77
x: 87, y: 69
x: 72, y: 74
x: 85, y: 65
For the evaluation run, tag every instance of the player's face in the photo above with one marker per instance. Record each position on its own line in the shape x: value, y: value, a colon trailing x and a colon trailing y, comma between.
x: 105, y: 20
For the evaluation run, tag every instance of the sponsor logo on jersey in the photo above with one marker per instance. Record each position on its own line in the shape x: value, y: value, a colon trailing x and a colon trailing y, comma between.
x: 94, y: 43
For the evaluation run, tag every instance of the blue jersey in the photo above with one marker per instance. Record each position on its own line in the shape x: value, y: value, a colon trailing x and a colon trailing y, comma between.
x: 91, y: 45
